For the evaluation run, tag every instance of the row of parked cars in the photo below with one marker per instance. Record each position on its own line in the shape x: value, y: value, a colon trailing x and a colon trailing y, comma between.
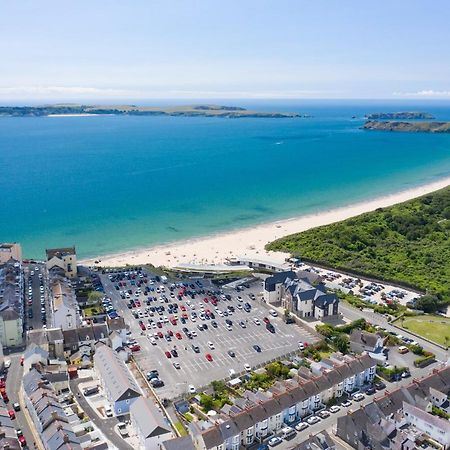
x: 289, y: 432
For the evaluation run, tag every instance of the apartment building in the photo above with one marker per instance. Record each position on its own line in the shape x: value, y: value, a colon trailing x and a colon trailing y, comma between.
x: 401, y: 419
x: 11, y: 304
x: 257, y: 414
x: 62, y: 260
x: 299, y: 296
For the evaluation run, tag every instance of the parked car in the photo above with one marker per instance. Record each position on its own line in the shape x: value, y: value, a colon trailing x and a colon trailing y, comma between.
x: 273, y: 442
x: 334, y: 409
x: 301, y: 426
x: 312, y: 420
x: 324, y: 414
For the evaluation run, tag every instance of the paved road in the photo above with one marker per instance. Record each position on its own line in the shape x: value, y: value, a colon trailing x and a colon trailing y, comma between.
x: 377, y: 319
x: 105, y: 425
x: 13, y: 382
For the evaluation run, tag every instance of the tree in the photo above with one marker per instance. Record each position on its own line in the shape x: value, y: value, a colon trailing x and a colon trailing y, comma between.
x: 428, y: 303
x: 342, y: 343
x: 94, y: 297
x: 206, y: 401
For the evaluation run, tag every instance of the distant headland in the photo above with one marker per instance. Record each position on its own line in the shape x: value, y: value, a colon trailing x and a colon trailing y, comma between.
x: 404, y: 115
x: 408, y: 127
x: 133, y: 110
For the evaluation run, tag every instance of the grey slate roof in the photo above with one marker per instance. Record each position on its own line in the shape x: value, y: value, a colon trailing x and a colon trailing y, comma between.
x: 149, y: 420
x: 181, y: 443
x: 277, y: 278
x: 115, y: 374
x: 34, y: 349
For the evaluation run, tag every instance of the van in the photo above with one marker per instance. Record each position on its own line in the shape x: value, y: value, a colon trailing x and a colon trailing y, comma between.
x: 402, y: 349
x: 90, y: 391
x: 287, y: 433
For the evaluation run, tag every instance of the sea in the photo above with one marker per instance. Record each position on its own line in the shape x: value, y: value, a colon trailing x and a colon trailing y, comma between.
x: 108, y: 184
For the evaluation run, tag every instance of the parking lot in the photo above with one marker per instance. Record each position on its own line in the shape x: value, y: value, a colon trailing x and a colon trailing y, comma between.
x: 194, y: 367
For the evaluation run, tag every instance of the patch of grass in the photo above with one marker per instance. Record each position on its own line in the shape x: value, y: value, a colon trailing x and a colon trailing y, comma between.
x: 93, y: 310
x: 181, y: 429
x: 435, y: 328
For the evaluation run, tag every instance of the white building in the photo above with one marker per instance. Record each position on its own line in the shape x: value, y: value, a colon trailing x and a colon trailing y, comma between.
x: 151, y: 427
x: 119, y: 386
x: 435, y: 427
x: 65, y: 308
x: 256, y: 415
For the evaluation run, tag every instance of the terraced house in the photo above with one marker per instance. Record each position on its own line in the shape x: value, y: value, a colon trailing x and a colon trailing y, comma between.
x: 11, y: 303
x: 258, y: 414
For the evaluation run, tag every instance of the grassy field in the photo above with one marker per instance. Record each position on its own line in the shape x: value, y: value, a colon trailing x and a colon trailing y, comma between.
x: 431, y: 327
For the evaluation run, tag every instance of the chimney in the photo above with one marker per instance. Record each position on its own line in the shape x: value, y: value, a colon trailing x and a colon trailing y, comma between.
x: 66, y: 438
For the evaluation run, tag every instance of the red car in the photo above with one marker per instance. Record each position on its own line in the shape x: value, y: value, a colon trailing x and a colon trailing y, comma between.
x: 135, y: 348
x: 160, y: 335
x: 183, y: 308
x: 173, y: 321
x: 142, y: 326
x: 266, y: 320
x: 178, y: 335
x: 2, y: 383
x: 185, y: 316
x: 209, y: 357
x: 205, y: 300
x: 22, y: 441
x: 168, y: 355
x: 12, y: 414
x: 170, y: 333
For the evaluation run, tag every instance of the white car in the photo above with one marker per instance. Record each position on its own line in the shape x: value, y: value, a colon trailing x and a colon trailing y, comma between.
x: 176, y: 365
x: 108, y: 412
x: 257, y: 322
x: 334, y: 409
x: 194, y: 333
x: 312, y: 420
x: 229, y: 328
x: 211, y: 345
x: 358, y: 397
x: 247, y: 367
x: 301, y: 426
x: 191, y: 389
x: 153, y: 341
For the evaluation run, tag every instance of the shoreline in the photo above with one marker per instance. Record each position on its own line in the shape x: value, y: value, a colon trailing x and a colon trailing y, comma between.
x: 249, y: 242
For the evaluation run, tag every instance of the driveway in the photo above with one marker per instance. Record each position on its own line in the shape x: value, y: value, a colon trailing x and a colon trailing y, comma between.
x: 105, y: 425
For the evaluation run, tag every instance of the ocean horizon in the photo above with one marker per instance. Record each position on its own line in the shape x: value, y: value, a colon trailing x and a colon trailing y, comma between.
x: 109, y: 184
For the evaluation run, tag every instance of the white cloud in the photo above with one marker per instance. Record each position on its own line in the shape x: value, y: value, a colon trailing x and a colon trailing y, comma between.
x: 424, y: 94
x: 81, y: 92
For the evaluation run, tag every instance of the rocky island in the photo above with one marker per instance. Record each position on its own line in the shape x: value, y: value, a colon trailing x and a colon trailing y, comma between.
x: 408, y: 127
x: 133, y: 110
x: 404, y: 115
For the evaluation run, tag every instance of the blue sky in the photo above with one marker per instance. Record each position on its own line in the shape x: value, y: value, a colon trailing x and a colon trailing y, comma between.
x: 224, y: 49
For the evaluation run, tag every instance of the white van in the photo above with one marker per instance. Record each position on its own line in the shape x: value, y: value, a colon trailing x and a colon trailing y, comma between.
x: 287, y: 433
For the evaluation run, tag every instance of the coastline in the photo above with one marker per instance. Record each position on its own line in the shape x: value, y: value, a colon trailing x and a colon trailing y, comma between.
x: 250, y: 242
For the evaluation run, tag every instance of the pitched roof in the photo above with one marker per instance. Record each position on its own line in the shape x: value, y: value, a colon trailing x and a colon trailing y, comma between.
x: 59, y: 252
x: 277, y: 278
x: 148, y: 419
x: 181, y: 443
x: 115, y: 374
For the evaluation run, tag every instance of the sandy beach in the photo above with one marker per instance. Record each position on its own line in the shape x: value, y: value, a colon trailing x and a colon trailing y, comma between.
x: 250, y: 242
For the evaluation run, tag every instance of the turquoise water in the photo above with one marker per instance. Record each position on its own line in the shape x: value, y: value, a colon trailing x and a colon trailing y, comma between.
x: 111, y: 183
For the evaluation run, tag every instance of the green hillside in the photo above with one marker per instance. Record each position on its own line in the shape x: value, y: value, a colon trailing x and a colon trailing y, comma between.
x: 407, y: 243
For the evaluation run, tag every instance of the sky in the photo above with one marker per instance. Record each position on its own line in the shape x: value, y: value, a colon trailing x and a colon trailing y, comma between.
x: 144, y: 49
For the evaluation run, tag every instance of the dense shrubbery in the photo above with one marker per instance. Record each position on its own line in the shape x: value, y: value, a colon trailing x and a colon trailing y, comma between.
x: 408, y: 243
